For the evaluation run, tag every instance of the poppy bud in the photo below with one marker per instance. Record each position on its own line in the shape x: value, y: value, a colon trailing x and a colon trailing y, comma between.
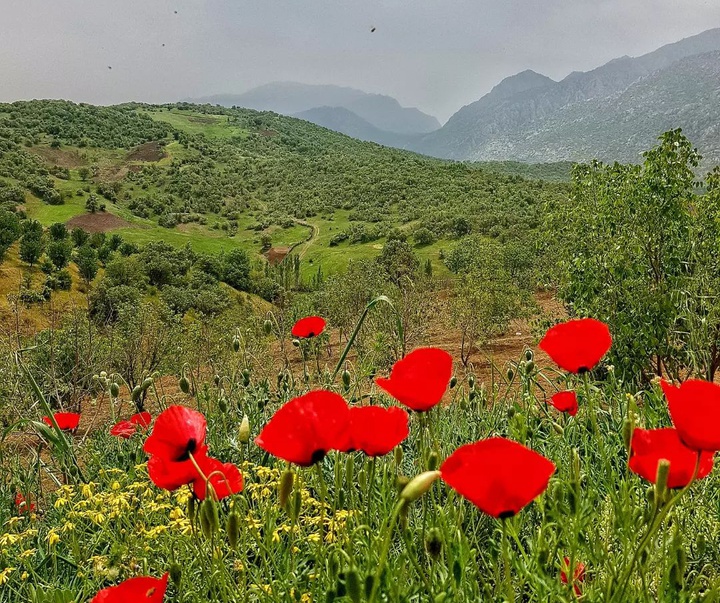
x: 457, y: 572
x: 346, y: 379
x: 246, y: 377
x: 267, y: 327
x: 510, y: 374
x: 453, y: 381
x: 191, y: 509
x: 287, y: 479
x: 330, y: 596
x: 222, y: 404
x: 441, y: 598
x: 297, y: 505
x: 471, y: 395
x: 352, y: 584
x: 103, y: 374
x: 398, y: 454
x: 700, y: 545
x: 350, y: 470
x: 433, y: 461
x: 296, y: 342
x: 663, y: 470
x: 114, y: 390
x: 362, y: 479
x: 236, y: 344
x: 419, y: 485
x: 627, y: 430
x: 529, y: 367
x: 401, y: 481
x: 135, y: 394
x: 576, y: 465
x: 433, y: 543
x: 184, y: 385
x: 558, y: 428
x: 217, y: 380
x: 147, y: 382
x: 511, y: 412
x: 175, y: 572
x: 209, y: 511
x: 233, y: 529
x: 676, y: 577
x: 529, y: 355
x: 471, y: 381
x: 244, y: 430
x: 369, y: 583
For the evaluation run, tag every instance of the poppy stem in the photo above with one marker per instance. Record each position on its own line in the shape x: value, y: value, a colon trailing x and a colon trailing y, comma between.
x: 206, y: 479
x: 655, y: 524
x: 509, y: 591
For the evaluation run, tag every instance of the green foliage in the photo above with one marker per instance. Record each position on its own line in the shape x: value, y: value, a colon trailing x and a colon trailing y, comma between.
x: 236, y: 269
x: 9, y: 230
x: 32, y: 242
x: 86, y: 259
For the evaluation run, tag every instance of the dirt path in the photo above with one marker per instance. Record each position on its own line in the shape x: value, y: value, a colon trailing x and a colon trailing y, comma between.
x: 314, y: 234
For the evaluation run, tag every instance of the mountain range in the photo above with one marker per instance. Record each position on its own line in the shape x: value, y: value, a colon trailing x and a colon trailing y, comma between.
x: 610, y: 113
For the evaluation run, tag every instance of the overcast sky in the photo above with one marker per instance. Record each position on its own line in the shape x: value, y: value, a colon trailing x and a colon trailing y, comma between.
x: 434, y: 54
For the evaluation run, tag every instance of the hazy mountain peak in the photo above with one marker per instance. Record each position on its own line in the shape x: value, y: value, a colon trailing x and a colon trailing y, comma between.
x: 521, y: 82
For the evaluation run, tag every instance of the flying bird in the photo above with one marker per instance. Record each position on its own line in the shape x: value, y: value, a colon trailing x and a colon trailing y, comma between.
x: 372, y: 29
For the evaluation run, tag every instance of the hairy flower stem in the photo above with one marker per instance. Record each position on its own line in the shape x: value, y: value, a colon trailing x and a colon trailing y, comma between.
x: 386, y: 548
x: 509, y: 591
x: 655, y: 524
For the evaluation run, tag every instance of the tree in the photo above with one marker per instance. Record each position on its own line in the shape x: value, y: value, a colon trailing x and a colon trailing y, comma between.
x: 9, y: 230
x: 87, y: 262
x: 423, y: 236
x: 58, y: 231
x: 79, y: 236
x: 398, y: 261
x: 31, y: 241
x: 59, y: 253
x: 265, y: 241
x: 236, y: 272
x: 92, y: 204
x: 84, y: 173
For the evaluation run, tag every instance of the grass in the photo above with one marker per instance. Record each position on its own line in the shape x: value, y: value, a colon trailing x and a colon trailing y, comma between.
x: 213, y: 126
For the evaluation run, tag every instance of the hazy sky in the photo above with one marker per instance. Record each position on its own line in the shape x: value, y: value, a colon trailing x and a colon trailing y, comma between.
x: 434, y: 54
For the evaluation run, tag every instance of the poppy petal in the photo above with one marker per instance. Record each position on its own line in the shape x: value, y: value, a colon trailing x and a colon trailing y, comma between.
x: 66, y: 421
x: 375, y: 430
x: 577, y: 345
x: 649, y: 446
x: 225, y: 478
x: 170, y: 475
x: 310, y: 326
x: 123, y: 429
x: 695, y: 411
x: 178, y: 431
x: 136, y: 590
x: 141, y: 419
x: 305, y: 429
x: 565, y: 402
x: 497, y: 475
x: 420, y: 380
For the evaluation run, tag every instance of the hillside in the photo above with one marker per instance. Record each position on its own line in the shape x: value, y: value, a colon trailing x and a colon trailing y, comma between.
x: 529, y: 117
x: 221, y: 179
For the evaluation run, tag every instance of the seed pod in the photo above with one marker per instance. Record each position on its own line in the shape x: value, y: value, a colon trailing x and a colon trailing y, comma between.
x: 114, y: 390
x: 398, y: 455
x: 175, y: 572
x: 471, y: 381
x: 147, y: 382
x: 184, y: 384
x: 244, y: 430
x: 135, y: 394
x: 433, y: 543
x: 529, y: 355
x: 433, y: 461
x: 346, y: 379
x: 352, y: 583
x: 233, y: 529
x: 419, y: 485
x: 191, y: 508
x: 453, y: 382
x: 287, y: 479
x: 267, y: 327
x: 236, y: 344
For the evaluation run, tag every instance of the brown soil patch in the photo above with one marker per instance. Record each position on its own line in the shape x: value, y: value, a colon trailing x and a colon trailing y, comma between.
x: 277, y: 254
x: 98, y: 222
x: 112, y: 173
x: 150, y: 151
x: 268, y: 133
x: 64, y: 158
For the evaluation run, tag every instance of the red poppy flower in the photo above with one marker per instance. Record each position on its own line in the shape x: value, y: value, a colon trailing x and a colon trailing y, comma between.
x: 141, y: 419
x: 22, y: 505
x: 695, y: 411
x: 577, y: 345
x: 136, y: 590
x: 310, y: 326
x: 565, y: 402
x: 497, y: 475
x: 170, y: 475
x: 67, y: 421
x: 578, y: 575
x: 649, y: 446
x: 178, y: 432
x: 376, y: 430
x: 305, y: 429
x: 225, y: 478
x: 123, y: 429
x: 419, y: 380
